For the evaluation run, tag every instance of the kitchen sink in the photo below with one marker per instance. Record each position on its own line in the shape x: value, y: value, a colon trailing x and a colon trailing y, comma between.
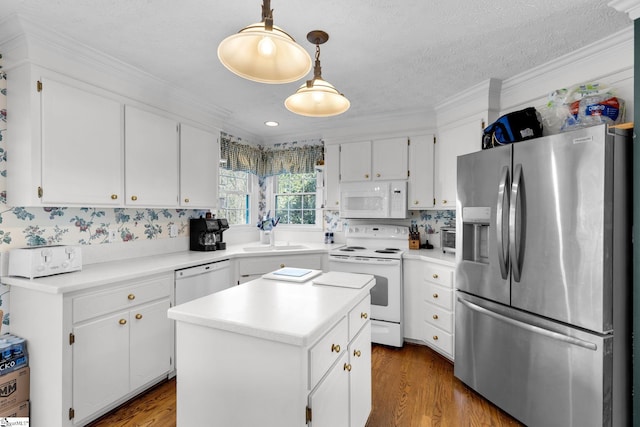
x: 267, y: 248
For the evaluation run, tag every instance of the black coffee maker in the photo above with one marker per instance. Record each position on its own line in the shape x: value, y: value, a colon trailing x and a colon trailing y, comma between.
x: 203, y: 234
x: 206, y: 233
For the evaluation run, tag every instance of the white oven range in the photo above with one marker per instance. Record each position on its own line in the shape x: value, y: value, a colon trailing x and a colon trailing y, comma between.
x: 377, y: 250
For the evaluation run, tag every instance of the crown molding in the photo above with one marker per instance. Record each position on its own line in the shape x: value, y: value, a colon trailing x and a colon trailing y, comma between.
x: 632, y: 7
x: 482, y: 99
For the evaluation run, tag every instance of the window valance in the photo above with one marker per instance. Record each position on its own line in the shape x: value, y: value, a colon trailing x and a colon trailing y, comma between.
x: 289, y: 157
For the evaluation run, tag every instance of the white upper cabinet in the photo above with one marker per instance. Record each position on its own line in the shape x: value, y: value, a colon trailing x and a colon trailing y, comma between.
x: 151, y: 159
x: 81, y: 146
x: 390, y: 159
x: 199, y: 162
x: 355, y: 161
x: 462, y: 138
x: 384, y: 159
x: 420, y: 191
x: 332, y: 176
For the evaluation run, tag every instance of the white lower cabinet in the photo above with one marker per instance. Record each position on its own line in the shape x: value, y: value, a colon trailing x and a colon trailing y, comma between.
x: 97, y: 349
x: 428, y: 304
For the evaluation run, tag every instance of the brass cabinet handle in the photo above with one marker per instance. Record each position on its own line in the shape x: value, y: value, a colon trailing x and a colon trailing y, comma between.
x: 114, y: 196
x: 435, y: 295
x: 416, y: 202
x: 186, y: 200
x: 131, y: 297
x: 122, y: 322
x: 134, y: 198
x: 347, y: 367
x: 435, y: 338
x: 435, y: 317
x: 435, y: 276
x: 363, y: 315
x: 337, y: 203
x: 281, y: 265
x: 366, y: 175
x: 444, y: 202
x: 377, y: 175
x: 335, y: 347
x: 138, y: 316
x: 357, y: 353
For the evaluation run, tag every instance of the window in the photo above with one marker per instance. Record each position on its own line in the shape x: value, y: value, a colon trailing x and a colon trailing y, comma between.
x: 296, y: 197
x: 235, y: 196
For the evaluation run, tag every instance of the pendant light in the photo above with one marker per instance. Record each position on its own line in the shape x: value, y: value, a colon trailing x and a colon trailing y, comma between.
x: 317, y: 97
x: 264, y: 53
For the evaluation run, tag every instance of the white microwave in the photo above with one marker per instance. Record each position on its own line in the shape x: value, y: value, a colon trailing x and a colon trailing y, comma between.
x: 373, y: 199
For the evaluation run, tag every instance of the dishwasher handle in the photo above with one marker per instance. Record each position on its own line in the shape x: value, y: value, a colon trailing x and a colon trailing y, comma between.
x: 201, y: 269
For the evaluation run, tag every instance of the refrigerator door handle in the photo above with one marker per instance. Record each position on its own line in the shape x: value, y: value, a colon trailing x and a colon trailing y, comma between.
x: 503, y: 199
x: 515, y: 228
x: 528, y: 327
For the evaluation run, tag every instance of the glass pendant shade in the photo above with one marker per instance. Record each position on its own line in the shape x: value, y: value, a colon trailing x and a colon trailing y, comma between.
x: 320, y: 99
x: 265, y: 56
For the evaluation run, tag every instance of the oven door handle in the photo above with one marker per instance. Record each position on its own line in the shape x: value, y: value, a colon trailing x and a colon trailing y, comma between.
x: 364, y: 260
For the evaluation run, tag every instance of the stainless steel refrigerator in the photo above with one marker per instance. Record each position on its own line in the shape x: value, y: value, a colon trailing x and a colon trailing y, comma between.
x: 543, y: 278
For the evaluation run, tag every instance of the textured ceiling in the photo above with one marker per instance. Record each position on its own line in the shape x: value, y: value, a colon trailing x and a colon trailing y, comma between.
x: 386, y: 57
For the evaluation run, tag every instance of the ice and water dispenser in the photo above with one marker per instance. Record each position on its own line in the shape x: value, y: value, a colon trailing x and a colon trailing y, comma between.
x: 475, y: 234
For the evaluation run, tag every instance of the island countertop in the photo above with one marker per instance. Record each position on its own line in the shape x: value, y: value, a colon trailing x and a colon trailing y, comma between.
x: 283, y: 311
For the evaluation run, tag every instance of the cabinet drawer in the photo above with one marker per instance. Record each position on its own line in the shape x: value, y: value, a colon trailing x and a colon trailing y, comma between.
x: 439, y: 295
x: 266, y: 264
x: 440, y: 275
x: 439, y: 338
x: 359, y: 315
x: 327, y: 350
x: 439, y: 317
x: 103, y: 302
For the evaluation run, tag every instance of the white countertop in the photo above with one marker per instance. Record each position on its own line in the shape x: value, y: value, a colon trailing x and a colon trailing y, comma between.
x: 99, y: 274
x: 288, y: 312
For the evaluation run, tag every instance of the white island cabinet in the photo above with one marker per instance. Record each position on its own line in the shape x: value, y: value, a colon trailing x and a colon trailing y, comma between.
x: 275, y: 353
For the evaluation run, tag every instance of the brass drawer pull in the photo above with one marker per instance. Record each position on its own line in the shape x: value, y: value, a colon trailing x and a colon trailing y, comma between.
x: 122, y: 322
x: 131, y: 297
x: 435, y: 276
x: 114, y: 196
x: 281, y: 265
x: 134, y: 198
x: 435, y: 338
x: 435, y: 317
x: 138, y: 316
x: 347, y: 367
x: 186, y: 200
x: 335, y: 347
x: 435, y: 295
x: 363, y: 315
x: 357, y: 353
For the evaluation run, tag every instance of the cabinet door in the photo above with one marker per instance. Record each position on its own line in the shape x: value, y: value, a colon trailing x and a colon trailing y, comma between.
x: 390, y: 159
x: 420, y: 185
x: 150, y: 341
x: 100, y: 363
x: 452, y: 142
x: 81, y: 147
x: 360, y: 377
x: 413, y: 298
x: 151, y: 159
x: 355, y: 161
x: 199, y: 161
x: 332, y: 177
x: 329, y: 402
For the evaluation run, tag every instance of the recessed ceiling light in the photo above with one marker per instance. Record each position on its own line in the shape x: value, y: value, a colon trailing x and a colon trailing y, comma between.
x: 271, y: 123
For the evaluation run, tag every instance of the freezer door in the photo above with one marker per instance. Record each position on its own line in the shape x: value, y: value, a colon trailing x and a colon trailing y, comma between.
x: 540, y: 372
x: 482, y: 257
x: 562, y: 227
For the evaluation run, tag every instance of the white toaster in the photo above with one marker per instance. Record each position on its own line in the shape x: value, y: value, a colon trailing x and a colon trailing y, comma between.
x: 40, y: 261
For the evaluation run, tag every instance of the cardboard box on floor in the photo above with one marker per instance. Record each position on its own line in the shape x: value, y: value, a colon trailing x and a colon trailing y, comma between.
x: 14, y: 388
x: 20, y: 410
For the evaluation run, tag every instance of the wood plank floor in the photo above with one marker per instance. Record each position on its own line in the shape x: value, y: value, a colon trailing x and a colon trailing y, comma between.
x: 412, y: 387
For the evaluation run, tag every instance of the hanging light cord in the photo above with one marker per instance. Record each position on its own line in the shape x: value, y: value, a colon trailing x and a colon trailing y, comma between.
x: 317, y: 70
x: 267, y: 15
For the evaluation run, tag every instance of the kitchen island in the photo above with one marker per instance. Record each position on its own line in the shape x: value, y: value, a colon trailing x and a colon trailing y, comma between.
x: 276, y: 353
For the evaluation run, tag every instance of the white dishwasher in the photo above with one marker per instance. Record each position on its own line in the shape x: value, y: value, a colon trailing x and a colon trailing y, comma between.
x: 195, y: 282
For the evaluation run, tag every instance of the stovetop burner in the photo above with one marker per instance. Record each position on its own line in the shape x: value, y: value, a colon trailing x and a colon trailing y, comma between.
x: 387, y: 251
x: 352, y: 248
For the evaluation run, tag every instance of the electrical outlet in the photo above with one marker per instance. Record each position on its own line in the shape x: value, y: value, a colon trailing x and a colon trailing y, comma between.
x: 173, y: 230
x: 113, y: 235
